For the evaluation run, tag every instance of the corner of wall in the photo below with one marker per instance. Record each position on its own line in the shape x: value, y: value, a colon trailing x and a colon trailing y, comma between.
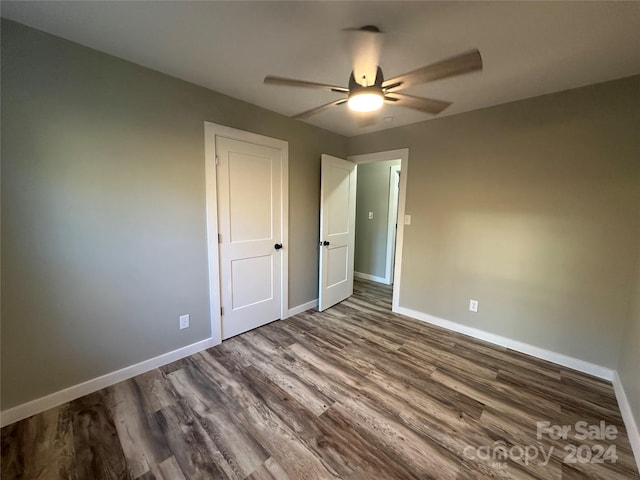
x: 630, y: 422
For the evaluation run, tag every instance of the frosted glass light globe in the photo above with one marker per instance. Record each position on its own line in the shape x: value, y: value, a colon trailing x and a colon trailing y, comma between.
x: 365, y: 102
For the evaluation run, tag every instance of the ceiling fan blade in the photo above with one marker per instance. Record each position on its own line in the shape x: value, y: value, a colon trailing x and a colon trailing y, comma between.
x: 313, y: 111
x: 290, y: 82
x: 465, y: 63
x: 426, y: 105
x: 365, y: 47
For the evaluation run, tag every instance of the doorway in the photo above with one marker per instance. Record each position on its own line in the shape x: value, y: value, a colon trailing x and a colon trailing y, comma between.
x: 247, y: 212
x: 380, y: 217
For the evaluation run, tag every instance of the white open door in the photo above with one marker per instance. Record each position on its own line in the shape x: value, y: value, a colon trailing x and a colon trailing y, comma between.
x: 337, y: 230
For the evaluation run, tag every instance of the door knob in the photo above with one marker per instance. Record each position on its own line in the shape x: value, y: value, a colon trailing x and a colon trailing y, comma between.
x: 325, y: 243
x: 277, y: 246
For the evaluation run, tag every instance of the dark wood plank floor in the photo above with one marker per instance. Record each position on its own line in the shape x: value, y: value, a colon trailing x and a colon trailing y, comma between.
x: 355, y: 392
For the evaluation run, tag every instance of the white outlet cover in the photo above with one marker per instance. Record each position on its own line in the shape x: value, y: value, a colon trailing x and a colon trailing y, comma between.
x: 184, y: 321
x: 370, y: 215
x: 407, y: 219
x: 473, y: 305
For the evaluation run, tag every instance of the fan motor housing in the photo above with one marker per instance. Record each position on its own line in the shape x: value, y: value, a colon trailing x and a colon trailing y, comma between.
x: 377, y: 85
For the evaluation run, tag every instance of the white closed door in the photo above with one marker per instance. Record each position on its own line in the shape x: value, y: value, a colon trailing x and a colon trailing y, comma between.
x: 337, y: 230
x: 250, y: 229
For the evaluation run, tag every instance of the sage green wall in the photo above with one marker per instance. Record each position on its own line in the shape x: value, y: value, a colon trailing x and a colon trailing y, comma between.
x: 630, y: 351
x: 532, y: 209
x: 371, y: 235
x: 103, y: 210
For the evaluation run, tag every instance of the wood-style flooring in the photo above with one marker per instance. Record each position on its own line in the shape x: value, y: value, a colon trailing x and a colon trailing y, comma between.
x: 355, y: 392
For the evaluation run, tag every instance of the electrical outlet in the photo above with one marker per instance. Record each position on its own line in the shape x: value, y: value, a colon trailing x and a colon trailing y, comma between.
x: 473, y: 305
x: 184, y: 321
x: 407, y: 219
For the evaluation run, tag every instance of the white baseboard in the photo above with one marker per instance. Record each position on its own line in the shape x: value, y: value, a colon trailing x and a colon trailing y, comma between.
x: 41, y: 404
x: 373, y: 278
x: 630, y: 423
x: 559, y: 358
x: 303, y: 308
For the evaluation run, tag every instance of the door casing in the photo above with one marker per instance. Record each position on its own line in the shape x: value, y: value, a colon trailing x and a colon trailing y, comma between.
x: 211, y: 131
x: 392, y: 221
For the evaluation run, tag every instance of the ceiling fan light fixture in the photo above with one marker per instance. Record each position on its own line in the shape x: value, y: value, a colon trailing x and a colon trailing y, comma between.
x: 365, y: 101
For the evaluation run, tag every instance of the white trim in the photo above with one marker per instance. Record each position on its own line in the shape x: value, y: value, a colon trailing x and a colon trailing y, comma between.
x: 538, y: 352
x: 379, y: 156
x: 402, y: 200
x: 211, y: 202
x: 52, y: 400
x: 303, y: 308
x: 403, y: 155
x: 371, y: 278
x: 213, y: 130
x: 630, y: 423
x: 284, y: 228
x: 392, y: 221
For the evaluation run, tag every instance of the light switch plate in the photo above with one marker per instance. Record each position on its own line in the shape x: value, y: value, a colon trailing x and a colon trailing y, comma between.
x: 407, y: 219
x: 370, y: 215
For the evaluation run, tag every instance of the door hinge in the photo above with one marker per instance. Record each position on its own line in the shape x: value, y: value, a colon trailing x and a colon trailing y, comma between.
x: 222, y: 311
x: 217, y: 160
x: 219, y: 238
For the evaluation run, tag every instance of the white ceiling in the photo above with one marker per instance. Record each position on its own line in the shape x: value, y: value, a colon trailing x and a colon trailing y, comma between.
x: 528, y: 48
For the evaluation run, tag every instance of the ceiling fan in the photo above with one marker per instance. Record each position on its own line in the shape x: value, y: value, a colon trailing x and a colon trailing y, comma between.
x: 368, y: 90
